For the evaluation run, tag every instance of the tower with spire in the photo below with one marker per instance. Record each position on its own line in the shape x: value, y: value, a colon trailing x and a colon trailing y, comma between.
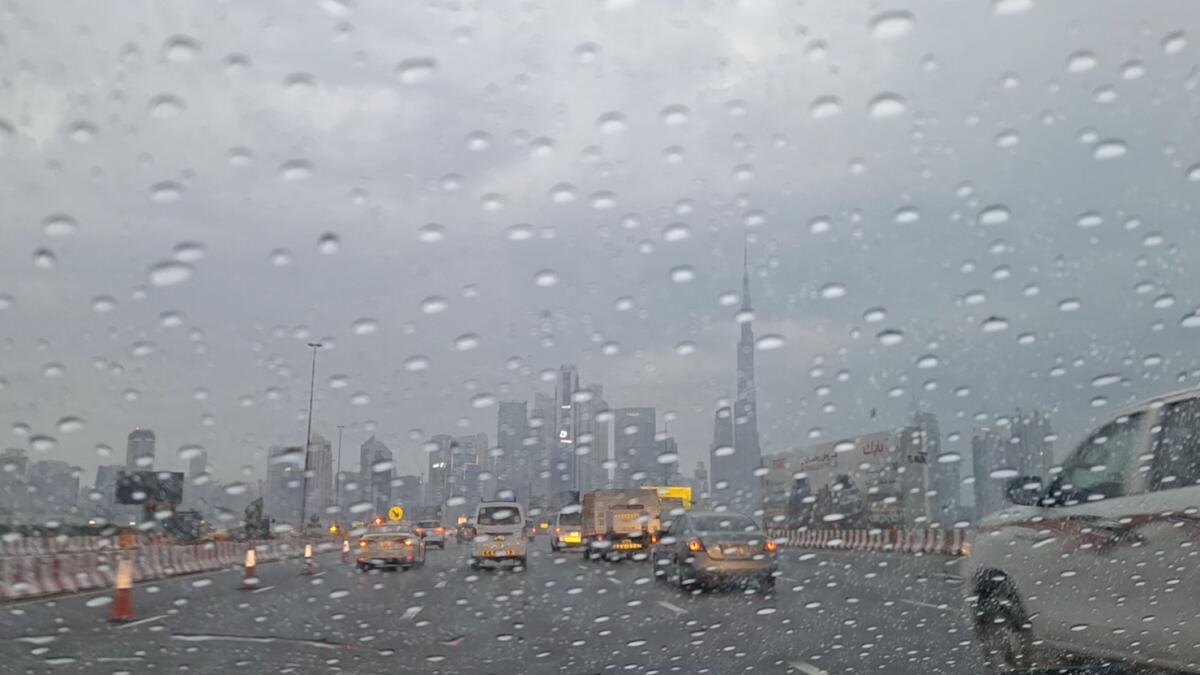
x: 735, y: 453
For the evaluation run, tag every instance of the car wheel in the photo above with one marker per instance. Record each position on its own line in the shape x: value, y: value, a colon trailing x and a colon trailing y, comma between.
x: 681, y: 581
x: 1003, y: 630
x: 767, y: 584
x: 524, y: 563
x: 474, y: 564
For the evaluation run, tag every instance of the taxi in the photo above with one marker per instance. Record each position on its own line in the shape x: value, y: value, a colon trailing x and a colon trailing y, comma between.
x: 390, y: 549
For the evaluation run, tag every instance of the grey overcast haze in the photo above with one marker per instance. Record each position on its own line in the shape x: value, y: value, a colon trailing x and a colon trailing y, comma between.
x: 190, y: 193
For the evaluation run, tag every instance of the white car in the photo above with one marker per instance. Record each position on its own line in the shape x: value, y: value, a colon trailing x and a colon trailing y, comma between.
x: 500, y: 535
x: 432, y: 532
x: 1100, y: 561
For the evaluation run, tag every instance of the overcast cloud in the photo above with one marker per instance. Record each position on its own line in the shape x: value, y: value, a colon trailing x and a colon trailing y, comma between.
x: 537, y: 136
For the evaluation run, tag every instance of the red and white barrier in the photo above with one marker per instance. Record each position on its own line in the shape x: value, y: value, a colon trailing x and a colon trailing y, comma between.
x: 48, y: 572
x: 925, y: 541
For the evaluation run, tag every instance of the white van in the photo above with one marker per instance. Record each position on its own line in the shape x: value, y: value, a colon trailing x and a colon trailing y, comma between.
x: 499, y: 535
x: 1098, y: 561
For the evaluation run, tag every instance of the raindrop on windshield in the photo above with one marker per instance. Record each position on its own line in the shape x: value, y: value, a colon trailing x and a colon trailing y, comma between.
x: 295, y: 170
x: 365, y: 326
x: 328, y: 244
x: 887, y: 105
x: 170, y: 273
x: 545, y: 278
x: 59, y: 225
x: 682, y: 274
x: 893, y: 24
x: 416, y: 70
x: 769, y: 342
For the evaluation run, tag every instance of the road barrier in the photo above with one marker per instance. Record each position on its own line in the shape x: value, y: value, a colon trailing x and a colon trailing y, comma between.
x: 39, y: 574
x: 928, y: 541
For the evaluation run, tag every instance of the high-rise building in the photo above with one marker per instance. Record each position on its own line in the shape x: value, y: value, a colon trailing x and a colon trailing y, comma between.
x: 563, y: 466
x: 348, y: 495
x: 440, y: 468
x: 635, y: 447
x: 1023, y: 448
x: 407, y: 491
x: 945, y: 504
x: 745, y: 492
x: 139, y: 450
x: 543, y: 422
x: 513, y: 468
x: 1033, y: 437
x: 699, y: 480
x: 366, y: 461
x: 106, y: 486
x: 56, y: 485
x: 666, y: 468
x: 285, y: 483
x: 592, y: 439
x: 382, y: 469
x: 467, y: 454
x: 320, y: 475
x: 720, y: 454
x: 990, y: 452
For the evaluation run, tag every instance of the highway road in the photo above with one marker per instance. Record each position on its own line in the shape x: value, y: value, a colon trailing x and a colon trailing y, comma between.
x: 831, y: 612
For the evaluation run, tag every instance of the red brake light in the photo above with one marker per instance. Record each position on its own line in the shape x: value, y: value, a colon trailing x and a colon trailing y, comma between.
x: 695, y: 545
x: 441, y: 530
x: 654, y: 539
x: 362, y: 543
x: 771, y: 546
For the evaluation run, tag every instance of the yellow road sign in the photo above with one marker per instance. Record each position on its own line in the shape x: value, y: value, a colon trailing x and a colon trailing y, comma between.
x: 395, y: 513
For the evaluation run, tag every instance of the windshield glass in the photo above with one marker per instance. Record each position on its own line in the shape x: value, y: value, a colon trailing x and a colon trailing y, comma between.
x: 722, y: 523
x: 498, y: 515
x: 898, y: 299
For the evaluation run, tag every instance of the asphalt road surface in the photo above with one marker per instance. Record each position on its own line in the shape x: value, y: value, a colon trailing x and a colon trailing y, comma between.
x: 830, y: 613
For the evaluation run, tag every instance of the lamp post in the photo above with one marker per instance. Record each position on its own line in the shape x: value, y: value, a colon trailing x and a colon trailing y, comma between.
x: 337, y: 478
x: 312, y: 382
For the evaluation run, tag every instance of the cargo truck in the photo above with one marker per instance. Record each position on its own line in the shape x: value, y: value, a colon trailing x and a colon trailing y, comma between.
x: 620, y: 523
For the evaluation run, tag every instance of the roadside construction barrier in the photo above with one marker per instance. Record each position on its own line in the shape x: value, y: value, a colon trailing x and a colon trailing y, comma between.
x: 309, y: 567
x: 925, y: 541
x: 122, y: 601
x: 250, y: 580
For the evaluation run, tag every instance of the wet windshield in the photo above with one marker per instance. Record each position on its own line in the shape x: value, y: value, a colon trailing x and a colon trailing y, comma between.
x: 897, y: 299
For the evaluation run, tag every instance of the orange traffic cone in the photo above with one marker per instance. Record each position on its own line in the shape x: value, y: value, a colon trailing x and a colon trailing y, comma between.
x: 309, y: 567
x: 122, y: 602
x: 250, y: 581
x: 346, y: 550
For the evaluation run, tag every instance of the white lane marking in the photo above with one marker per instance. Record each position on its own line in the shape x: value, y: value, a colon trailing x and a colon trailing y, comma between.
x: 149, y: 619
x: 921, y: 604
x: 807, y: 668
x: 411, y: 612
x: 673, y: 608
x: 795, y: 581
x: 615, y: 580
x: 263, y: 589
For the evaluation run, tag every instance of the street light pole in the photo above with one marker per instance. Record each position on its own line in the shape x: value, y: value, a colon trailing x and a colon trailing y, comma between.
x: 312, y: 383
x: 337, y: 478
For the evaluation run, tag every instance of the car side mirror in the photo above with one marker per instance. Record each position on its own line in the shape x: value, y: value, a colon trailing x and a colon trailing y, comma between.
x: 1024, y: 490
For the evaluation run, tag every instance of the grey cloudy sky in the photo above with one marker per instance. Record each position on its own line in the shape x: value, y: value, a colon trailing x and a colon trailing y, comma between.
x: 857, y: 144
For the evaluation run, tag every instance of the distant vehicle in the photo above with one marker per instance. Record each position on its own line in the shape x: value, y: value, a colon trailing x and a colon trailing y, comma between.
x: 674, y: 500
x: 567, y: 530
x: 713, y: 548
x: 531, y: 528
x: 1107, y: 544
x: 394, y: 548
x: 432, y: 532
x: 500, y: 537
x: 619, y: 523
x: 465, y: 533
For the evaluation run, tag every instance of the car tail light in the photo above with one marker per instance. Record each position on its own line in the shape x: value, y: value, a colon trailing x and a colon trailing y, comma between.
x: 654, y: 539
x: 695, y: 545
x: 771, y: 546
x: 557, y: 531
x: 441, y: 530
x: 362, y: 543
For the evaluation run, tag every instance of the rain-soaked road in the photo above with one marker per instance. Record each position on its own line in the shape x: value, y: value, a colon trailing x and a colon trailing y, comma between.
x: 831, y: 612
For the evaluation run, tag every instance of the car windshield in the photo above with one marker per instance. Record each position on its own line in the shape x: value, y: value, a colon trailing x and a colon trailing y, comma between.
x: 498, y: 515
x: 761, y: 336
x: 722, y: 523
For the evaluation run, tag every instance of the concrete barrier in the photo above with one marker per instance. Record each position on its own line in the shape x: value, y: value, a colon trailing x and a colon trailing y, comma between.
x: 924, y: 541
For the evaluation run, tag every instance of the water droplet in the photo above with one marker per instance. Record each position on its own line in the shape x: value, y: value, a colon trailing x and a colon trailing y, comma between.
x: 1105, y: 380
x: 141, y: 349
x: 996, y: 214
x: 1081, y: 62
x: 170, y: 273
x: 587, y: 52
x: 927, y: 361
x: 890, y: 337
x: 1152, y: 360
x: 887, y: 105
x: 685, y: 348
x: 1007, y: 139
x: 416, y: 70
x: 166, y: 106
x: 610, y: 348
x: 190, y: 251
x: 1003, y: 473
x: 170, y: 319
x: 365, y: 326
x: 1026, y: 339
x: 1133, y: 70
x: 675, y: 115
x: 519, y: 232
x: 562, y: 193
x: 328, y: 244
x: 975, y: 298
x: 360, y: 398
x: 467, y: 342
x: 1110, y: 149
x: 893, y: 24
x: 59, y: 225
x: 994, y: 324
x: 296, y: 170
x: 682, y: 274
x: 239, y: 157
x: 180, y: 49
x: 1164, y: 301
x: 1089, y: 219
x: 69, y: 425
x: 166, y: 192
x: 820, y: 225
x: 44, y: 258
x: 602, y: 201
x: 1174, y: 43
x: 43, y: 443
x: 431, y: 233
x: 103, y: 303
x: 832, y: 291
x: 545, y: 278
x: 1191, y: 320
x: 769, y: 342
x: 874, y: 315
x: 825, y: 107
x: 280, y: 257
x: 478, y: 141
x: 676, y: 232
x: 612, y: 123
x: 1069, y: 305
x: 1011, y: 7
x: 81, y: 132
x: 416, y: 363
x: 907, y: 215
x: 434, y: 304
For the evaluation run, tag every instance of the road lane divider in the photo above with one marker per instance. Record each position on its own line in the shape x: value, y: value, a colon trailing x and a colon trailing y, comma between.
x: 949, y: 542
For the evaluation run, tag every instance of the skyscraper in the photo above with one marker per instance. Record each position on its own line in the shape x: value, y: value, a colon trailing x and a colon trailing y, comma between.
x: 139, y: 450
x: 285, y: 473
x: 745, y: 488
x: 366, y: 460
x: 591, y: 440
x: 513, y: 468
x: 635, y: 446
x: 320, y: 475
x: 945, y: 504
x: 543, y: 422
x: 563, y: 465
x: 440, y: 467
x: 381, y: 479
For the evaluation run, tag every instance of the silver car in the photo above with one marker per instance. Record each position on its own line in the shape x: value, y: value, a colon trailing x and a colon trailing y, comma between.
x: 1098, y: 561
x: 705, y: 549
x: 395, y: 548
